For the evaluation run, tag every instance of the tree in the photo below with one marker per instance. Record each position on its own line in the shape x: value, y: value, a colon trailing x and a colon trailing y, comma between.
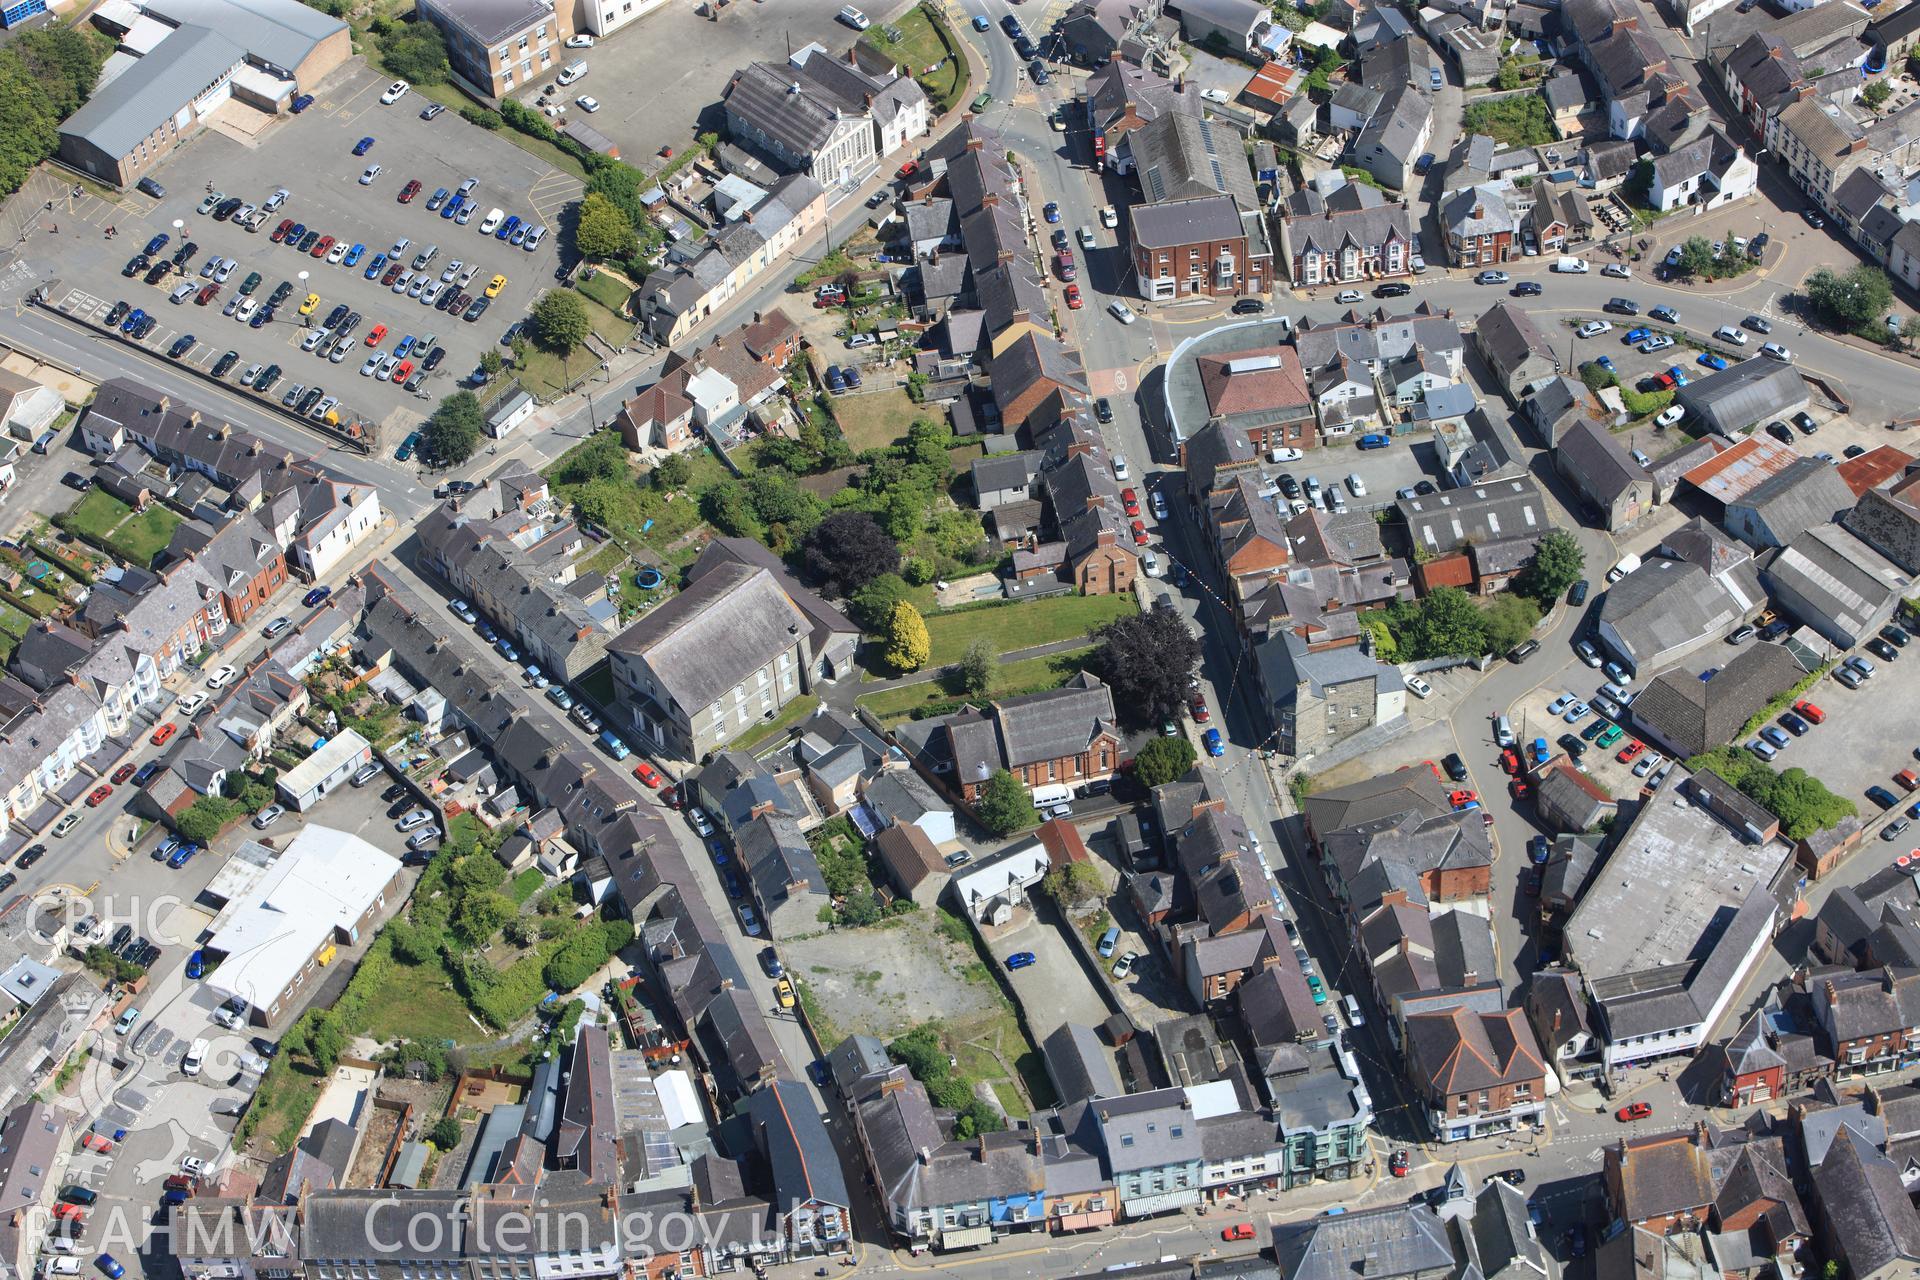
x: 416, y: 52
x: 490, y: 363
x: 603, y: 232
x: 975, y: 1119
x: 1557, y: 564
x: 1447, y: 624
x: 1149, y: 660
x: 445, y: 1133
x: 977, y: 666
x: 1163, y: 759
x: 1803, y: 804
x: 559, y: 320
x: 1509, y: 76
x: 326, y: 1041
x: 673, y: 472
x: 480, y: 915
x: 1852, y: 299
x: 1005, y: 805
x: 908, y: 644
x: 454, y: 429
x: 478, y: 872
x: 1875, y: 95
x: 872, y: 605
x: 204, y: 819
x: 1074, y: 886
x: 1696, y: 256
x: 848, y: 550
x: 1510, y: 618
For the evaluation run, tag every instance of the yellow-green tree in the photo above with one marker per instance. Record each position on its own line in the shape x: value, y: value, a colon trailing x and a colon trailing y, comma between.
x: 908, y: 644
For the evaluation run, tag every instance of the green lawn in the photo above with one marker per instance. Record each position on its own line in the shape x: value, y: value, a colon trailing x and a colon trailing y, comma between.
x: 548, y: 374
x: 793, y: 713
x: 920, y: 46
x: 526, y: 884
x: 146, y: 535
x: 623, y: 503
x: 1029, y: 675
x: 282, y: 1104
x: 421, y: 1003
x: 97, y: 514
x: 609, y: 290
x: 1022, y: 625
x: 877, y: 418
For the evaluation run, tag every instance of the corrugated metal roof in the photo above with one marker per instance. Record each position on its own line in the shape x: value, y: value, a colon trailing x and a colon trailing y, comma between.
x: 138, y: 100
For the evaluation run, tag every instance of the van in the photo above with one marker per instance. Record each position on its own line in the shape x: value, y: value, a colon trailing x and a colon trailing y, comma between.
x: 1570, y: 265
x: 611, y: 743
x: 197, y: 1057
x: 1108, y: 941
x: 426, y: 255
x: 573, y: 71
x: 251, y: 1063
x: 65, y: 1265
x: 1355, y: 1018
x: 181, y: 292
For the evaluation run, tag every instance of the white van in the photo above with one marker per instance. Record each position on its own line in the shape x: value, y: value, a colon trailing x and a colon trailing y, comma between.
x: 1569, y: 265
x: 1503, y: 730
x: 573, y: 71
x: 197, y: 1056
x: 62, y: 1266
x: 1355, y: 1018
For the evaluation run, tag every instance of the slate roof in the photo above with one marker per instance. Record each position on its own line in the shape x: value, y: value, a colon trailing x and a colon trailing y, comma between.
x: 1694, y: 715
x: 1439, y: 522
x: 1602, y: 464
x: 1508, y: 336
x: 1399, y: 1240
x: 1185, y: 157
x: 1870, y: 1221
x: 1462, y: 1051
x: 728, y: 622
x: 1056, y: 723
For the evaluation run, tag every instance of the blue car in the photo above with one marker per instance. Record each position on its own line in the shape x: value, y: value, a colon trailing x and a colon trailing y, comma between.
x: 107, y: 1264
x: 1638, y: 335
x: 133, y: 320
x: 981, y: 22
x: 156, y: 244
x: 1882, y: 797
x: 406, y: 345
x: 1606, y: 362
x: 507, y: 227
x: 375, y: 267
x: 452, y: 207
x: 354, y: 255
x: 1712, y: 361
x: 1678, y: 375
x: 1375, y: 440
x: 363, y: 146
x: 1020, y: 959
x: 179, y: 857
x: 197, y: 964
x: 1214, y: 745
x: 145, y: 772
x: 302, y: 102
x: 486, y: 633
x: 264, y: 316
x: 1537, y: 849
x: 1540, y: 751
x: 506, y: 649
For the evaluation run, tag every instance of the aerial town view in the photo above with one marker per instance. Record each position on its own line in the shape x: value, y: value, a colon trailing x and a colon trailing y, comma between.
x: 1154, y: 639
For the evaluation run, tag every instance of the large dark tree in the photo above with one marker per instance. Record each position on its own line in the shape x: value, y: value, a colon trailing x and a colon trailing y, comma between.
x: 1148, y: 659
x: 848, y: 550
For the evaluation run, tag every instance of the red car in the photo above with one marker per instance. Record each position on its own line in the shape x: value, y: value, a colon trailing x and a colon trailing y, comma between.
x: 1808, y: 712
x: 280, y: 232
x: 908, y: 169
x: 822, y: 301
x: 402, y: 371
x: 180, y: 1182
x: 1519, y: 789
x: 1238, y: 1231
x: 321, y: 247
x: 1664, y: 381
x: 121, y: 774
x: 1458, y: 798
x: 163, y: 733
x: 1398, y: 1164
x: 98, y: 794
x: 66, y: 1209
x: 648, y: 774
x: 1631, y: 752
x: 393, y: 273
x: 375, y: 334
x: 1634, y: 1111
x: 1510, y: 761
x: 1074, y: 301
x: 1131, y: 501
x: 92, y: 1142
x: 1139, y: 534
x: 207, y: 294
x: 408, y: 192
x: 1199, y: 709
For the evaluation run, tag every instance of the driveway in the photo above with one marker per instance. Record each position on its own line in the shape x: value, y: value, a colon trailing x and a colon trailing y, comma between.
x: 1054, y: 988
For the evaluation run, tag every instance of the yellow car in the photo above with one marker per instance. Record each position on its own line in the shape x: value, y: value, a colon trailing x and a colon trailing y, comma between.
x: 783, y: 992
x: 495, y: 285
x: 306, y: 308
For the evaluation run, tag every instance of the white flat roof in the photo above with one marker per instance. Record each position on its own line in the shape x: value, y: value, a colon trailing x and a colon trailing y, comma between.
x: 311, y: 772
x: 325, y: 880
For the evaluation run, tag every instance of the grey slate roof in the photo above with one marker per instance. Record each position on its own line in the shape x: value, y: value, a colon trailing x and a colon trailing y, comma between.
x: 1508, y: 335
x: 1399, y: 1240
x: 1057, y: 723
x: 728, y: 622
x: 135, y: 102
x: 1870, y: 1221
x: 1693, y: 715
x: 1489, y: 512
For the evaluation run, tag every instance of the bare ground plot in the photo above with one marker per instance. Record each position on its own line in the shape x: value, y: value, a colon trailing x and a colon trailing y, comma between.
x: 883, y: 981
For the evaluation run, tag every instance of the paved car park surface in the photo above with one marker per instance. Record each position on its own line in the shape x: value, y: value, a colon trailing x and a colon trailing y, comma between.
x: 311, y: 156
x: 1054, y: 988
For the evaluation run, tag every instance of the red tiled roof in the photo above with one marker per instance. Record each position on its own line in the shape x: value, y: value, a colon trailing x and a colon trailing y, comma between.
x: 1253, y: 381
